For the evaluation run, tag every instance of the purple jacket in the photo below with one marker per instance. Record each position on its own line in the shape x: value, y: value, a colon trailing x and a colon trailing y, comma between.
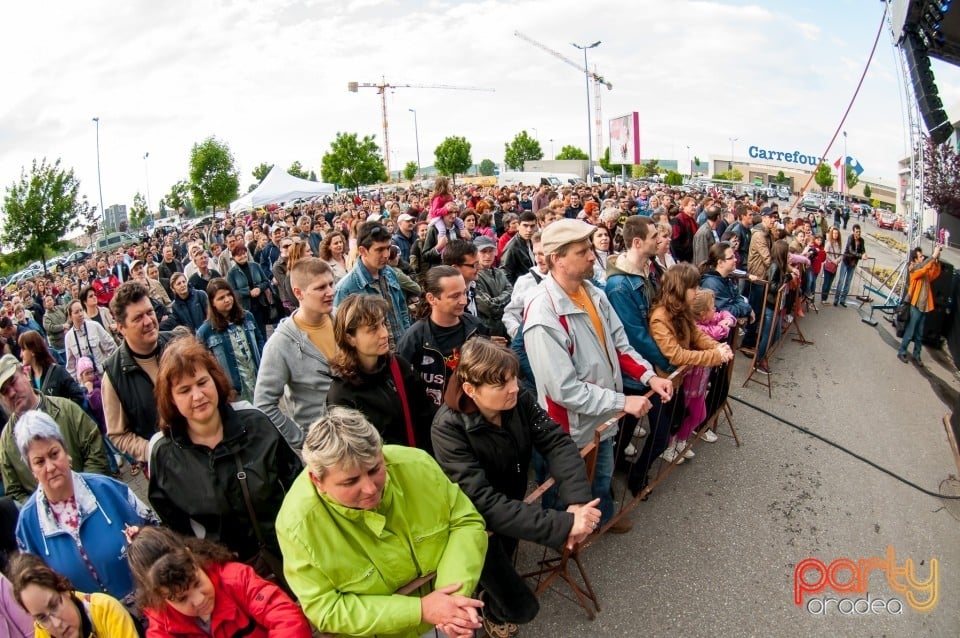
x: 14, y: 621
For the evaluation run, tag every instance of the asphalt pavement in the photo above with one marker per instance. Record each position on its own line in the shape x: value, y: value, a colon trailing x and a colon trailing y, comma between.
x: 714, y: 550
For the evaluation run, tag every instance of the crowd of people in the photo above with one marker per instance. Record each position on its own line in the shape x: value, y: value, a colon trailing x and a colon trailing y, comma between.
x: 294, y: 381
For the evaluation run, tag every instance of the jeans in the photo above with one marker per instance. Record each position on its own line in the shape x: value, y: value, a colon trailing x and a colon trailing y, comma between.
x: 828, y: 278
x: 603, y: 479
x: 913, y: 332
x: 507, y: 596
x: 770, y: 324
x: 843, y: 284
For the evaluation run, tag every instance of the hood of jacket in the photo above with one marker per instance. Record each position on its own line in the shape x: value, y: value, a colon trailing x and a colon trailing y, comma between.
x: 620, y: 265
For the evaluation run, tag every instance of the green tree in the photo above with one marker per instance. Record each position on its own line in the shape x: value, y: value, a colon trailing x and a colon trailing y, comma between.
x: 823, y: 176
x: 673, y: 178
x: 453, y: 156
x: 651, y: 166
x: 409, y: 171
x: 487, y: 167
x: 41, y: 207
x: 138, y: 212
x: 781, y: 178
x: 296, y: 169
x: 352, y: 163
x: 260, y: 171
x: 214, y: 179
x: 852, y: 178
x: 178, y: 196
x: 570, y: 152
x: 867, y: 193
x: 522, y: 148
x: 611, y: 168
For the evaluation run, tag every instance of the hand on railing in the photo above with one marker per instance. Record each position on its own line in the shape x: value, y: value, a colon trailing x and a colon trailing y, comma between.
x: 451, y: 613
x: 726, y: 354
x: 663, y: 387
x: 586, y: 519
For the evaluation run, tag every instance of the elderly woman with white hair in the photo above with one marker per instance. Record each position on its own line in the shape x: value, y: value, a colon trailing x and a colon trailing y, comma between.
x: 392, y: 516
x: 78, y: 523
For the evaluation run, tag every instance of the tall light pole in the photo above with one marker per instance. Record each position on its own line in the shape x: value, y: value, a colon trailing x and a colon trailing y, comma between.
x: 689, y: 165
x: 586, y: 79
x: 732, y: 140
x: 146, y: 171
x: 103, y: 212
x: 843, y: 177
x: 552, y: 154
x: 416, y: 133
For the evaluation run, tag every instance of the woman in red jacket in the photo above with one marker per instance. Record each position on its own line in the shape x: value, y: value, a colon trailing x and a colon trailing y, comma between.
x: 190, y: 587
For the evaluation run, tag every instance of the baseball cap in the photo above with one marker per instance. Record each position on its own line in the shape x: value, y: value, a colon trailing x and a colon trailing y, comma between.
x: 406, y: 218
x: 482, y: 242
x: 8, y: 366
x: 563, y: 232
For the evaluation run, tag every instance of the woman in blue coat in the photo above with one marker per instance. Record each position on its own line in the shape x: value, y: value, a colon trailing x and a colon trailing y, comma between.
x: 231, y: 334
x: 189, y: 306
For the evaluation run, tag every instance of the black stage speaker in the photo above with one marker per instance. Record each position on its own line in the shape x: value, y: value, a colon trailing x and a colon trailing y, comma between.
x: 939, y: 322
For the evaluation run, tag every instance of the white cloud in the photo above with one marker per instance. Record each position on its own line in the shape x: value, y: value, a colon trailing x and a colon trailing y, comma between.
x: 269, y: 77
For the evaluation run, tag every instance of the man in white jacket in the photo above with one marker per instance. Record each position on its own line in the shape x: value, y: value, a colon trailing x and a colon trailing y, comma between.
x: 578, y: 352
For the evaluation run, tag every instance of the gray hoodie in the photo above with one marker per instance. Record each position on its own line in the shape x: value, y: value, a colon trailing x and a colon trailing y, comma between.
x: 293, y: 368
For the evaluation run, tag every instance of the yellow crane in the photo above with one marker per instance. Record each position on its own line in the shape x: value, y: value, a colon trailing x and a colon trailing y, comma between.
x: 382, y: 87
x: 598, y: 81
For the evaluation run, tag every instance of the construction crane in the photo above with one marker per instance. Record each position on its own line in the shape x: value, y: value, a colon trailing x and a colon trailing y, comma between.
x: 382, y: 87
x: 598, y: 81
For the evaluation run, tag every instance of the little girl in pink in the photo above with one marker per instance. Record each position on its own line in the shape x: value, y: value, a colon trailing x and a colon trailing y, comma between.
x: 715, y: 325
x: 440, y: 204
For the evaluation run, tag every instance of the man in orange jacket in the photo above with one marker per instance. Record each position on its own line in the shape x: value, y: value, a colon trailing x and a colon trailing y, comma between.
x: 922, y: 273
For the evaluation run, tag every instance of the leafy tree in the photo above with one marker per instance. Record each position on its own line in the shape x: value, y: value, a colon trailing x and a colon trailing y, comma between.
x: 673, y: 178
x: 522, y: 148
x: 296, y: 169
x: 941, y: 175
x: 453, y: 156
x: 614, y: 168
x: 214, y: 179
x: 571, y: 152
x: 138, y: 212
x: 41, y: 207
x: 487, y: 167
x: 410, y: 171
x: 652, y: 167
x: 867, y: 193
x: 780, y: 178
x: 178, y: 196
x: 823, y: 176
x: 260, y: 171
x: 352, y: 163
x: 852, y: 178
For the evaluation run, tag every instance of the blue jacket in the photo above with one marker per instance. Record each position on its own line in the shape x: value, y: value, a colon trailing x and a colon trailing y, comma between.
x: 726, y: 295
x: 106, y: 506
x: 404, y: 244
x: 625, y: 291
x: 220, y: 344
x: 359, y: 280
x: 192, y: 311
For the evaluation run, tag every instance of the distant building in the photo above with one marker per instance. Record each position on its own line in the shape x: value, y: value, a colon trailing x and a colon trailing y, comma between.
x: 113, y: 217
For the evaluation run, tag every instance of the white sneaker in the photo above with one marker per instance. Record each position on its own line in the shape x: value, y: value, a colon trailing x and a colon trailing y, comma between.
x: 670, y: 454
x: 688, y: 453
x: 639, y: 432
x: 630, y: 450
x: 710, y: 436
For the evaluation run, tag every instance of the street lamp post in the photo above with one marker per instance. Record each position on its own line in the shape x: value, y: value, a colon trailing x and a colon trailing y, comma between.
x: 552, y: 154
x: 843, y: 176
x: 103, y: 212
x: 586, y: 79
x: 416, y: 133
x: 146, y: 171
x: 689, y: 165
x: 732, y: 140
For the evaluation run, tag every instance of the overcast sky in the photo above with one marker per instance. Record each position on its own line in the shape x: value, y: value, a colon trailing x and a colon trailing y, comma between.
x: 270, y: 78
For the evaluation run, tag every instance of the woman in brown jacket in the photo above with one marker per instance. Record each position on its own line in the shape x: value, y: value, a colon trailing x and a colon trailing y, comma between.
x: 675, y: 331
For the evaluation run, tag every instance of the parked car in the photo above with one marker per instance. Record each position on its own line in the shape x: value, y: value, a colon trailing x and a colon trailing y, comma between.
x: 783, y: 193
x: 888, y: 221
x: 76, y: 257
x: 810, y: 203
x: 930, y: 232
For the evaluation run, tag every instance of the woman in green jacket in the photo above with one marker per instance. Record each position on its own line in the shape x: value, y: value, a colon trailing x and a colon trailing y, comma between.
x: 357, y: 526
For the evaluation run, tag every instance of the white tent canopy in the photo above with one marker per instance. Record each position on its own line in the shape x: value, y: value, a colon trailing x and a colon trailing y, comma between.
x: 280, y: 186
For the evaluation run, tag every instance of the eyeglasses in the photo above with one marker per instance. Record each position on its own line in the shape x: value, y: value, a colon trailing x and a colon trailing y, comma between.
x: 54, y: 609
x: 468, y: 265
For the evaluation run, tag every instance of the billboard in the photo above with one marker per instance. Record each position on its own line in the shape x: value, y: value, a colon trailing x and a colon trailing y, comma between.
x: 625, y: 139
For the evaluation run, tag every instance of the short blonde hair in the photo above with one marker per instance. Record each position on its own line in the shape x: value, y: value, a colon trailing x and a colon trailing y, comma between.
x: 702, y: 302
x: 342, y: 437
